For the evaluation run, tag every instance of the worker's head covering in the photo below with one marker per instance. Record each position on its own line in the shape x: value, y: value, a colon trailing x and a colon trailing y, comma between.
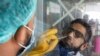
x: 13, y: 14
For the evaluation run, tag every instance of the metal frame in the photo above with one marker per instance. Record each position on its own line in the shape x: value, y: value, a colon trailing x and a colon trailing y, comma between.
x: 68, y: 12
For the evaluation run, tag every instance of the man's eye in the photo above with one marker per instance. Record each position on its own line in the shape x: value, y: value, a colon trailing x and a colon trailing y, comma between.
x: 68, y: 38
x: 78, y: 34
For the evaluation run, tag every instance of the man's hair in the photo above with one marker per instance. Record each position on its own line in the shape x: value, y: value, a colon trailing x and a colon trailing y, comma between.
x: 86, y: 25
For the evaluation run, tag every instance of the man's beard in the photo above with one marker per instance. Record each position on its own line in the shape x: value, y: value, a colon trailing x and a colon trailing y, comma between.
x: 70, y: 47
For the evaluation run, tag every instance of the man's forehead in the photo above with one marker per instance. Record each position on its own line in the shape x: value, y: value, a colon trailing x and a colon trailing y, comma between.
x: 79, y: 27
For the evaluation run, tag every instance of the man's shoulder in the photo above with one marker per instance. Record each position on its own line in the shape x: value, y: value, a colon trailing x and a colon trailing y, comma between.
x: 54, y: 52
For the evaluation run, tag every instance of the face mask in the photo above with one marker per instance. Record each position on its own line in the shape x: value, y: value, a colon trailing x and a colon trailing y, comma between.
x: 28, y: 44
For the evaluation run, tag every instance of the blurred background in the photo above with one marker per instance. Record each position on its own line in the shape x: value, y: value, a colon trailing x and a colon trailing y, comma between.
x: 49, y: 11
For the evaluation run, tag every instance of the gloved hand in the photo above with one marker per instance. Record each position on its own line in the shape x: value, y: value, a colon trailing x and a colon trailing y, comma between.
x: 46, y: 43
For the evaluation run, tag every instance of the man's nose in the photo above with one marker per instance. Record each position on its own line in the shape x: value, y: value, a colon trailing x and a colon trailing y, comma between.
x: 71, y: 37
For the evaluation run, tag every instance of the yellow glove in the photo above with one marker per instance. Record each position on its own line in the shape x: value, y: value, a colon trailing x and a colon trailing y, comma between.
x: 46, y: 43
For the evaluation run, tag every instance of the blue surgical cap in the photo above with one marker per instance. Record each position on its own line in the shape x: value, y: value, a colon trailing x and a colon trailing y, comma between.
x: 13, y: 14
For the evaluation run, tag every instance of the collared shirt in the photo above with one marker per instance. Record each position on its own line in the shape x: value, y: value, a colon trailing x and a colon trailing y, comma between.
x: 63, y: 52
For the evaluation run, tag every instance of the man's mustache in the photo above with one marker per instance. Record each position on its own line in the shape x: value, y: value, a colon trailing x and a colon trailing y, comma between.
x: 65, y: 42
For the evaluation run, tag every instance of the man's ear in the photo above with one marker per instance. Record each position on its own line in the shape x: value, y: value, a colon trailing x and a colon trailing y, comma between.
x: 84, y: 46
